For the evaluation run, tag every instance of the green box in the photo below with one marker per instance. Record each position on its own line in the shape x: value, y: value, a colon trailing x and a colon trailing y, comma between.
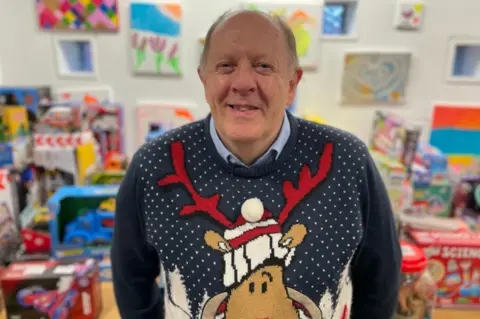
x: 438, y: 198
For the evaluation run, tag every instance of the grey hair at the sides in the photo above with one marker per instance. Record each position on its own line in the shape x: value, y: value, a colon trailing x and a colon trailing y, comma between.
x: 275, y: 20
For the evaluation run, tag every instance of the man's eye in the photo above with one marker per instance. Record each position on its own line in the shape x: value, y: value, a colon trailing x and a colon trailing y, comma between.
x: 225, y: 67
x: 264, y: 67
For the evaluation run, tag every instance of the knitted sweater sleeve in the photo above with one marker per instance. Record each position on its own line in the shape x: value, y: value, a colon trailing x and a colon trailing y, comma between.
x: 135, y: 264
x: 376, y: 267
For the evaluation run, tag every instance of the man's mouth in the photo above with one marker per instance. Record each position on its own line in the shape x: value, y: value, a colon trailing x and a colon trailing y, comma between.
x: 242, y: 108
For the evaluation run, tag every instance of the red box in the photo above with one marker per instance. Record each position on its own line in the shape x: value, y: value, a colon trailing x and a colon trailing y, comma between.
x: 454, y: 263
x: 56, y: 289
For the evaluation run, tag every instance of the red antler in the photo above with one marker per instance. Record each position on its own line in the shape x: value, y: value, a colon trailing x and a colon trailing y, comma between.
x: 201, y: 204
x: 306, y: 183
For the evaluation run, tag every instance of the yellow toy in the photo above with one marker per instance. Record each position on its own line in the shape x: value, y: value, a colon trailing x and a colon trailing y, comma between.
x: 43, y: 216
x: 108, y: 205
x: 314, y: 118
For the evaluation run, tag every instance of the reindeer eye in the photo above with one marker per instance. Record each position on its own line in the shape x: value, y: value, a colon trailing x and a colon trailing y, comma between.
x: 264, y: 287
x: 252, y: 287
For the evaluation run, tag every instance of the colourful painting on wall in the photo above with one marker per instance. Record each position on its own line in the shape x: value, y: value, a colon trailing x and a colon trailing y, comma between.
x: 409, y: 15
x: 375, y: 78
x: 455, y: 130
x: 304, y: 20
x: 154, y: 119
x: 155, y: 38
x: 81, y: 15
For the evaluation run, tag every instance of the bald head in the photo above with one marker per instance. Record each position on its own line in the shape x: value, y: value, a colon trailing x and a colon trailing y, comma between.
x: 275, y: 21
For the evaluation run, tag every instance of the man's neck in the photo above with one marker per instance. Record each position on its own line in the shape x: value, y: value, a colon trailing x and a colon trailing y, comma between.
x: 249, y: 152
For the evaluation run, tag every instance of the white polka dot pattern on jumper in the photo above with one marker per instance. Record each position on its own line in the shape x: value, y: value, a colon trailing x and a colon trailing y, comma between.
x: 331, y: 213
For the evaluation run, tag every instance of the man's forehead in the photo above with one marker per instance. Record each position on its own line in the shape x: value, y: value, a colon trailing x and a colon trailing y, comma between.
x: 244, y: 21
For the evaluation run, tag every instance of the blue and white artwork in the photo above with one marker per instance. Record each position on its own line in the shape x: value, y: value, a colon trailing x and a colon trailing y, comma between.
x: 155, y: 37
x: 375, y: 78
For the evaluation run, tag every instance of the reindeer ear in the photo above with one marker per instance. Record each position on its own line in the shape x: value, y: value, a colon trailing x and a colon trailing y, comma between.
x: 294, y: 236
x: 217, y: 242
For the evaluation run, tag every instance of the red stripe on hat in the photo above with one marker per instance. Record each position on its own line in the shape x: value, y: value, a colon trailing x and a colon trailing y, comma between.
x: 252, y: 234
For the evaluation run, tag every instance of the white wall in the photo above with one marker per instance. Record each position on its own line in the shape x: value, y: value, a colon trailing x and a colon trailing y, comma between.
x: 28, y: 59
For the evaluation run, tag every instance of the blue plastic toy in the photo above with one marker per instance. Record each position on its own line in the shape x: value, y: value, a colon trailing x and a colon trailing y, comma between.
x: 92, y: 228
x: 155, y: 131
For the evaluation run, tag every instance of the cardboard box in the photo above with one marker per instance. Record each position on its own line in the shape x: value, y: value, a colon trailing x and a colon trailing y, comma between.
x: 438, y: 198
x: 434, y: 160
x: 394, y: 176
x: 454, y: 263
x: 10, y: 239
x: 60, y: 118
x: 395, y: 137
x: 52, y: 289
x: 63, y: 159
x: 74, y: 207
x: 465, y: 203
x: 106, y: 122
x: 14, y: 122
x: 31, y: 97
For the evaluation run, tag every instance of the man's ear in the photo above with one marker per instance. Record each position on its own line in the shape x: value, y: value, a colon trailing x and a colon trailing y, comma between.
x: 200, y: 75
x: 294, y: 84
x: 298, y: 75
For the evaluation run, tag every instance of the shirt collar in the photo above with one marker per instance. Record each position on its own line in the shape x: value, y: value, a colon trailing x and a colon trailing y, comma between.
x: 271, y: 154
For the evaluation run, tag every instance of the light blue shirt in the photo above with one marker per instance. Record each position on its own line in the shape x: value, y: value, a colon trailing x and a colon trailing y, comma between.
x: 272, y: 153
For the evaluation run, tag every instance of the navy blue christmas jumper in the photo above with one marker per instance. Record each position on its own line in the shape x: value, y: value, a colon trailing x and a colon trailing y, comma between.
x: 310, y: 235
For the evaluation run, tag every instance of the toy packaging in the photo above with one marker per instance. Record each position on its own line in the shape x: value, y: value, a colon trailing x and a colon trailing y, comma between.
x: 31, y: 97
x: 9, y: 223
x: 82, y: 220
x: 394, y: 175
x: 434, y: 160
x: 52, y: 289
x: 107, y: 177
x: 466, y: 201
x: 60, y: 118
x: 63, y: 159
x: 35, y: 230
x: 435, y: 198
x: 409, y: 222
x: 106, y: 123
x: 13, y: 122
x: 454, y: 263
x: 395, y: 138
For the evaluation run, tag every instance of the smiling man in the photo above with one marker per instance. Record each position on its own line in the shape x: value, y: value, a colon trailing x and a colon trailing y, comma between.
x: 252, y: 212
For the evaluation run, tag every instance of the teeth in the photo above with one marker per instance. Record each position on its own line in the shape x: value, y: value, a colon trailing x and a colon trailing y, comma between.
x: 243, y: 108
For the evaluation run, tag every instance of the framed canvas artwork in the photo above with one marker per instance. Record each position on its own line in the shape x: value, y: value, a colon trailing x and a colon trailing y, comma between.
x: 375, y: 78
x: 304, y: 18
x: 79, y: 15
x: 455, y: 130
x: 409, y: 15
x: 153, y: 116
x: 463, y: 60
x: 155, y: 37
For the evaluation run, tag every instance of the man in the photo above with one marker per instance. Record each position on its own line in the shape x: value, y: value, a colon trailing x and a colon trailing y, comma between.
x: 251, y: 212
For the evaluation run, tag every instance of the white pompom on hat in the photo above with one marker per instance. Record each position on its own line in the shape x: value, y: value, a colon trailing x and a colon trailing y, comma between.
x: 252, y: 210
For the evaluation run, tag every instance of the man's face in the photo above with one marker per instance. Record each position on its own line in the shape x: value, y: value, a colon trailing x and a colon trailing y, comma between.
x: 249, y: 78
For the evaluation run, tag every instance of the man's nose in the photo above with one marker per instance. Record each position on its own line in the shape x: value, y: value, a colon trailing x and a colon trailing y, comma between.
x: 244, y: 80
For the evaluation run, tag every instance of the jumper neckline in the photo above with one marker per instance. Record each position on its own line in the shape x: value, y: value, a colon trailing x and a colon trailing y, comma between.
x: 257, y: 171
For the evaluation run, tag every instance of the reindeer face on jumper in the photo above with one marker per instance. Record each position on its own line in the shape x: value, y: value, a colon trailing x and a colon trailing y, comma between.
x: 255, y: 254
x: 255, y: 248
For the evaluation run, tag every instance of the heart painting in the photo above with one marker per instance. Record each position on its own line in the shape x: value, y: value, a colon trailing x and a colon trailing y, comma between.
x: 375, y: 78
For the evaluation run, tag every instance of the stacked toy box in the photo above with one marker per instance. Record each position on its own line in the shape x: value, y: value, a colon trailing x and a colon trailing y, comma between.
x: 431, y: 183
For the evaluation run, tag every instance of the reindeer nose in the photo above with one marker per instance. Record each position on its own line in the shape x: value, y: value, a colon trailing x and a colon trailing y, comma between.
x: 252, y: 210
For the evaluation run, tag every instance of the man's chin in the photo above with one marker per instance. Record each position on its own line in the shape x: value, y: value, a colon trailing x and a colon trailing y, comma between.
x: 243, y: 136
